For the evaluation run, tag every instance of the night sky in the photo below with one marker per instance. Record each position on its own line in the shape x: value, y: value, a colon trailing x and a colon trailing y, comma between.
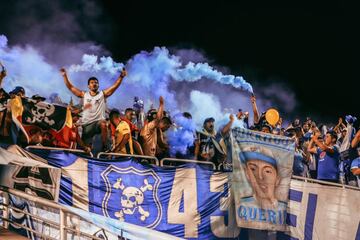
x: 312, y: 48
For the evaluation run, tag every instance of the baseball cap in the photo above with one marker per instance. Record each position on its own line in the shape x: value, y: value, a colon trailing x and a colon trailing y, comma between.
x: 210, y: 119
x: 38, y: 97
x: 258, y: 153
x: 17, y: 89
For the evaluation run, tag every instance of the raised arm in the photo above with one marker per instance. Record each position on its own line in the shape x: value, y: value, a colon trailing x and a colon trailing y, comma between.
x: 160, y: 111
x: 311, y: 148
x: 339, y: 126
x: 227, y: 127
x: 159, y: 115
x: 77, y: 92
x: 321, y: 145
x: 109, y: 91
x: 256, y: 112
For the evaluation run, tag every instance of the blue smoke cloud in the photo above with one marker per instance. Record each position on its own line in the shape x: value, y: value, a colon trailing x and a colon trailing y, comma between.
x: 3, y: 41
x: 182, y: 137
x: 150, y: 68
x: 153, y: 72
x: 149, y: 76
x: 92, y: 63
x: 28, y: 68
x: 148, y: 71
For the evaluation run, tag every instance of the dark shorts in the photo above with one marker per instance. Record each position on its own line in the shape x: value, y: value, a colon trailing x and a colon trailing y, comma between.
x: 90, y: 130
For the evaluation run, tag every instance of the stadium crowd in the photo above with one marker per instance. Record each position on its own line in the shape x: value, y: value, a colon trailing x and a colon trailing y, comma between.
x: 324, y: 152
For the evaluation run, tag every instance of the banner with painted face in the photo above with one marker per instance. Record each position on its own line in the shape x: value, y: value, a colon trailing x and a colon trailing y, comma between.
x: 261, y: 180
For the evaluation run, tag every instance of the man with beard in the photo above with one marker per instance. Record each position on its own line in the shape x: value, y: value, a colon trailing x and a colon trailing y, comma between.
x: 94, y: 106
x: 207, y: 147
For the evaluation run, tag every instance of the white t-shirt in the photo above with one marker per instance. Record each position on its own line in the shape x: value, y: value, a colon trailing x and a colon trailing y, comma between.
x: 93, y: 108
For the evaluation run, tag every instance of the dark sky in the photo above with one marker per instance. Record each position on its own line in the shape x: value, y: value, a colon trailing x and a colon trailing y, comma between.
x: 311, y: 47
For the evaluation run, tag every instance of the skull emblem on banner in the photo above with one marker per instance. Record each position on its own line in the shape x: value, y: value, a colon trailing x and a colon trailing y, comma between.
x: 131, y: 199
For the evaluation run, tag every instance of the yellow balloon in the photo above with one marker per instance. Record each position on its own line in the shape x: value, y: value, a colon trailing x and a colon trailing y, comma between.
x: 272, y: 116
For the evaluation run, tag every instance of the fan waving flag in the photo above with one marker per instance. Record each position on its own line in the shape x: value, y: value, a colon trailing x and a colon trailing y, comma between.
x: 32, y: 116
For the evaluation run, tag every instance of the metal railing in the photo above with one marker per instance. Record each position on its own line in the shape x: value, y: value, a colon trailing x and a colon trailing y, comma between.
x: 310, y: 180
x: 177, y: 160
x: 154, y: 160
x: 62, y: 225
x: 59, y: 149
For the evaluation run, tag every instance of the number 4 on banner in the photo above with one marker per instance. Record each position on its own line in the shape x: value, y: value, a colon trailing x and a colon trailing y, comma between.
x: 184, y: 186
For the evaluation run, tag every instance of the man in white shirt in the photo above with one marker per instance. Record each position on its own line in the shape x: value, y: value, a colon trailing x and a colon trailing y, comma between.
x: 94, y: 106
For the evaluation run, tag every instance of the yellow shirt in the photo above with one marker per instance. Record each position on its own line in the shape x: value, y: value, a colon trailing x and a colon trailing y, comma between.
x: 122, y: 129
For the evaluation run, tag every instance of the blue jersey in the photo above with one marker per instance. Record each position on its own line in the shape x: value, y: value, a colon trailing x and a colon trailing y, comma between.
x: 328, y: 164
x: 298, y: 165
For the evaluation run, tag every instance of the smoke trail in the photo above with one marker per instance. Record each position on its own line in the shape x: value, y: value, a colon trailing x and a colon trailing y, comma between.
x: 161, y: 61
x: 194, y: 72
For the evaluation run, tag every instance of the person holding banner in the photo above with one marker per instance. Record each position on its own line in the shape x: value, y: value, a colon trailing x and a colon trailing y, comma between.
x: 328, y: 152
x: 94, y: 106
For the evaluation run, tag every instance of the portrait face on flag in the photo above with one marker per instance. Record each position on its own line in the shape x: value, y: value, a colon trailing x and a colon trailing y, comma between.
x: 262, y: 174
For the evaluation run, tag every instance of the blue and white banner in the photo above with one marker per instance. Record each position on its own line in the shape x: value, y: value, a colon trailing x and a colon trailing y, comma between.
x: 318, y: 211
x: 189, y: 201
x: 29, y: 174
x: 261, y: 178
